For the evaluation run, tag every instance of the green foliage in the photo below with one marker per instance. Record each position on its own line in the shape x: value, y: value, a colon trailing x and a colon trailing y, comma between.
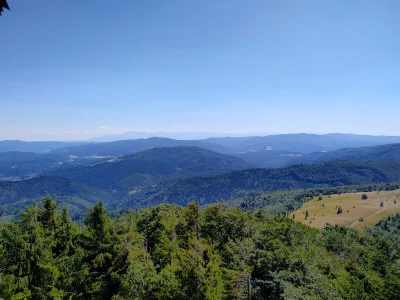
x: 280, y: 202
x: 364, y: 197
x: 340, y: 210
x: 172, y: 252
x: 279, y: 190
x: 152, y: 167
x: 252, y: 182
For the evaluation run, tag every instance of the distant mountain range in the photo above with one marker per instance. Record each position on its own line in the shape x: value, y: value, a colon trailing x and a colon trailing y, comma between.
x: 133, y: 135
x: 255, y: 181
x: 144, y: 172
x: 224, y: 187
x: 153, y: 166
x: 302, y: 143
x: 8, y: 145
x: 279, y: 159
x: 261, y: 151
x: 22, y: 165
x: 126, y: 147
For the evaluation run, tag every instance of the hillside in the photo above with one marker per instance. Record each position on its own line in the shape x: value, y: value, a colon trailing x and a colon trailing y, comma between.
x: 271, y: 158
x: 354, y: 208
x: 125, y: 147
x: 22, y: 165
x: 381, y: 152
x: 16, y: 195
x: 153, y: 166
x: 278, y: 159
x: 7, y: 146
x: 116, y: 183
x: 303, y: 143
x: 242, y: 183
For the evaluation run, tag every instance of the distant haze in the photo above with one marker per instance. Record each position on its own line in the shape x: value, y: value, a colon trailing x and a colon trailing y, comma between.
x: 80, y: 71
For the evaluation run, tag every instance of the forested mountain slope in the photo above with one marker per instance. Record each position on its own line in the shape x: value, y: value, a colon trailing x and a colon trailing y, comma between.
x: 21, y: 165
x: 7, y: 146
x: 303, y: 143
x: 16, y: 195
x: 381, y: 152
x: 278, y: 159
x: 126, y: 147
x: 154, y: 166
x: 205, y: 190
x: 242, y: 183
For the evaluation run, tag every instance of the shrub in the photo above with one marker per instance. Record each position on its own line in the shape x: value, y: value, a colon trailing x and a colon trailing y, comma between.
x: 381, y: 204
x: 339, y: 211
x: 364, y: 197
x: 361, y: 219
x: 320, y: 198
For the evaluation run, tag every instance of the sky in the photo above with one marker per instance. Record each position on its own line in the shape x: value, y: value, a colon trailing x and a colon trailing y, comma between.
x: 74, y: 70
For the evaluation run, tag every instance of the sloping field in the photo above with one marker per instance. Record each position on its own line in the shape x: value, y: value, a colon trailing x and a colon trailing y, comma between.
x: 353, y: 207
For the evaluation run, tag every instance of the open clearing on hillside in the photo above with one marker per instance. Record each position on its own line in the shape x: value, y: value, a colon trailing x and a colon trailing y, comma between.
x: 324, y: 211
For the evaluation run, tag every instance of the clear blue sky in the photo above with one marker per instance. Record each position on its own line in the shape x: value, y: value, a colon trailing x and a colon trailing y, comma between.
x: 78, y: 69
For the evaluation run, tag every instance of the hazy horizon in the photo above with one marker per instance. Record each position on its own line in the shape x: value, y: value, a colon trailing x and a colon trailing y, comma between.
x: 179, y: 136
x: 228, y: 66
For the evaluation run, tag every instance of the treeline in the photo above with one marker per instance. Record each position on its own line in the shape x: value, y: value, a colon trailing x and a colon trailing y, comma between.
x: 282, y: 202
x: 173, y: 252
x: 240, y: 184
x: 205, y: 190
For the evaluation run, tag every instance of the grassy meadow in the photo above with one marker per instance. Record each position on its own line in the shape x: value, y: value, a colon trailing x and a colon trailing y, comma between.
x: 353, y: 207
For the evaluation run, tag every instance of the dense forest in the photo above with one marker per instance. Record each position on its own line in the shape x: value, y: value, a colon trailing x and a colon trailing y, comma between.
x: 21, y: 160
x: 243, y: 183
x: 280, y: 159
x: 152, y: 166
x: 173, y: 252
x: 281, y: 202
x: 206, y: 190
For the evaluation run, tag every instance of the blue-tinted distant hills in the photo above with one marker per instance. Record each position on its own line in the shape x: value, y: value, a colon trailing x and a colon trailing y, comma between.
x: 27, y: 159
x: 278, y: 159
x: 22, y: 146
x: 303, y: 142
x: 153, y: 166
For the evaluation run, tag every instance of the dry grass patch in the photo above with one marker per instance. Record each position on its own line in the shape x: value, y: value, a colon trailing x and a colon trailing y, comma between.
x: 353, y: 207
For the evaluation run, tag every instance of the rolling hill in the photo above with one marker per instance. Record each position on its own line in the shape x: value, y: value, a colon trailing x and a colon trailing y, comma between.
x: 277, y: 159
x: 247, y: 182
x: 153, y: 166
x: 271, y: 158
x: 381, y: 152
x: 22, y: 165
x: 16, y: 195
x: 22, y: 146
x: 205, y: 190
x: 302, y: 143
x: 125, y: 147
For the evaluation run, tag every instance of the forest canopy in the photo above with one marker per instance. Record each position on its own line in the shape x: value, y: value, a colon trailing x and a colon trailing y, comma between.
x: 173, y: 252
